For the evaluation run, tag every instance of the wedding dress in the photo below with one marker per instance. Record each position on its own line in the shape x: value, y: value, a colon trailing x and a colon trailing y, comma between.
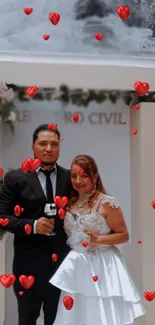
x: 111, y: 300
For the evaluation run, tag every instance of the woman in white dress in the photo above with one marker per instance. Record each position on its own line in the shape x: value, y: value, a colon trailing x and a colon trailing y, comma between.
x: 94, y: 274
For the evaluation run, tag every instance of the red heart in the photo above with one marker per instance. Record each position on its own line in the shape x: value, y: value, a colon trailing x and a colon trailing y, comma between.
x: 149, y: 295
x: 21, y: 293
x: 31, y: 91
x: 36, y: 164
x: 61, y: 213
x: 76, y: 117
x: 52, y: 127
x: 134, y: 131
x: 141, y: 88
x: 99, y: 36
x: 17, y: 210
x: 7, y: 280
x: 24, y: 167
x: 68, y: 302
x: 26, y: 281
x: 62, y: 139
x: 123, y: 12
x: 139, y: 241
x: 137, y: 107
x: 22, y: 209
x: 32, y: 165
x: 85, y: 244
x: 54, y: 257
x: 28, y: 11
x: 4, y: 222
x: 61, y: 202
x: 28, y: 229
x: 153, y: 204
x: 80, y: 171
x: 54, y: 18
x: 46, y: 37
x: 95, y: 278
x: 1, y: 172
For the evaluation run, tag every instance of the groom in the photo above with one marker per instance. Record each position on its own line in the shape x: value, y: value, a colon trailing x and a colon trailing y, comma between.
x: 33, y: 254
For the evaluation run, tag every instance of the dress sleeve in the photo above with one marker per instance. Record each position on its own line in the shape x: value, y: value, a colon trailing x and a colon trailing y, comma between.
x: 68, y: 224
x: 111, y: 200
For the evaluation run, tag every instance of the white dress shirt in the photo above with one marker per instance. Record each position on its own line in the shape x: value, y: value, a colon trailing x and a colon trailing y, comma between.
x: 42, y: 179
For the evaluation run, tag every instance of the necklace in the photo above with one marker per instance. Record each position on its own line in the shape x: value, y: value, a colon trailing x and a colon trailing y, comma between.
x: 84, y: 199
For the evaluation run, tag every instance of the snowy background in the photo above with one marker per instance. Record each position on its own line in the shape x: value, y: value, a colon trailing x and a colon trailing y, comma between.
x: 80, y: 20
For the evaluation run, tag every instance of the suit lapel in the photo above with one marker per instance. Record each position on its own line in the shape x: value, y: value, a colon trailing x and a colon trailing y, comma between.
x: 36, y: 186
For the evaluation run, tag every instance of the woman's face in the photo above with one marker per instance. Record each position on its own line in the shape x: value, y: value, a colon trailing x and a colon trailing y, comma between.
x: 82, y: 183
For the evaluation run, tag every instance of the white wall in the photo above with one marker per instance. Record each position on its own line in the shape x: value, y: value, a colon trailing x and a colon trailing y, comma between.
x: 109, y: 144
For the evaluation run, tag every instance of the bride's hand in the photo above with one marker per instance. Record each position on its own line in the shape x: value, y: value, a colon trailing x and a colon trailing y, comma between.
x: 93, y: 238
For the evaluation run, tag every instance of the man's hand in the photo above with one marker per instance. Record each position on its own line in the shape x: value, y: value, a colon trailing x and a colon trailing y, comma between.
x: 44, y: 226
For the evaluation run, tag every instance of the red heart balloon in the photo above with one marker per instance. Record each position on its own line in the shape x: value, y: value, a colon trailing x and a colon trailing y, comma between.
x: 141, y: 88
x: 31, y: 91
x: 95, y: 278
x: 123, y: 12
x: 85, y: 244
x: 28, y: 229
x: 52, y: 127
x: 1, y: 172
x: 149, y: 295
x: 61, y: 202
x: 17, y: 210
x: 76, y: 117
x: 28, y: 11
x: 139, y: 241
x: 21, y: 293
x: 99, y: 36
x: 46, y: 37
x: 61, y: 213
x: 24, y: 168
x: 80, y: 171
x: 68, y: 302
x: 54, y: 257
x: 137, y: 107
x: 54, y: 18
x: 153, y: 204
x: 7, y: 280
x: 29, y: 164
x: 26, y: 281
x: 4, y: 222
x: 36, y: 164
x: 22, y: 209
x: 134, y: 131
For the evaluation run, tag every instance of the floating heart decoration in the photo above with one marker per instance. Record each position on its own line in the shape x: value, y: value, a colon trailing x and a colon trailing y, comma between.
x: 76, y: 117
x: 54, y: 257
x: 141, y: 88
x: 54, y: 18
x: 4, y: 222
x: 46, y: 37
x: 95, y: 278
x: 22, y: 209
x: 137, y: 107
x: 26, y: 281
x: 153, y: 204
x: 68, y: 302
x: 134, y: 131
x: 31, y: 91
x: 139, y: 241
x: 32, y: 164
x: 99, y: 36
x: 123, y: 12
x: 61, y: 202
x: 17, y: 210
x: 80, y: 171
x: 36, y: 164
x: 1, y: 172
x: 28, y: 229
x: 21, y: 293
x: 24, y: 168
x: 52, y: 127
x: 62, y: 139
x: 7, y: 280
x: 61, y: 213
x: 149, y: 295
x: 28, y: 11
x: 85, y: 244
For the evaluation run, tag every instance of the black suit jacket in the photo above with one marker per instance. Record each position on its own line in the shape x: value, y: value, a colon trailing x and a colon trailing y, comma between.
x: 25, y: 190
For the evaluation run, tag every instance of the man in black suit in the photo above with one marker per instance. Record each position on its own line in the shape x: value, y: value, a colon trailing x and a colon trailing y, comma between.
x: 33, y: 253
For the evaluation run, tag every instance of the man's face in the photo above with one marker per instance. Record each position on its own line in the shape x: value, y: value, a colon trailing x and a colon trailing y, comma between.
x: 46, y: 147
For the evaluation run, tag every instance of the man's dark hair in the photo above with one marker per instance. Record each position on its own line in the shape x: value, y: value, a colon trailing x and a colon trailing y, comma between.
x: 44, y: 127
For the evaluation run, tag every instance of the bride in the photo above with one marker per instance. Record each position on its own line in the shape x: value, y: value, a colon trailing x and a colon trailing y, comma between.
x: 94, y: 274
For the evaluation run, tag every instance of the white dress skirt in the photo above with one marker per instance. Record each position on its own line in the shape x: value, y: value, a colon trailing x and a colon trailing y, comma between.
x: 111, y: 300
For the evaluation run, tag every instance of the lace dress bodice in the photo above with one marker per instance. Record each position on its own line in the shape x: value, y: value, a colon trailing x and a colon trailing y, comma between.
x: 75, y: 225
